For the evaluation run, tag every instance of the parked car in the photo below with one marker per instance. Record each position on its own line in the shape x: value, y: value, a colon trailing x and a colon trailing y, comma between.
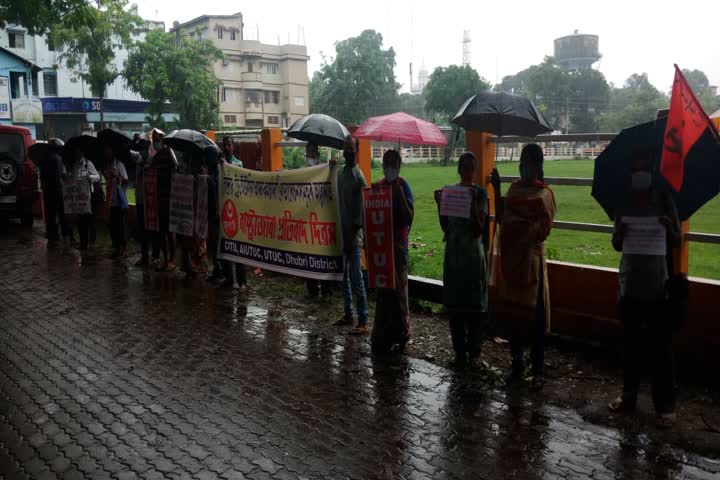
x: 18, y: 175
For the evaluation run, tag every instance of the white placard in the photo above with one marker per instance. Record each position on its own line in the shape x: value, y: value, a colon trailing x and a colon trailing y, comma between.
x: 456, y: 202
x: 5, y: 99
x: 76, y: 196
x: 644, y: 236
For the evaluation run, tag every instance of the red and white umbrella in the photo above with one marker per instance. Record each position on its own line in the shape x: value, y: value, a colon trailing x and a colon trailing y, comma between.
x: 401, y: 128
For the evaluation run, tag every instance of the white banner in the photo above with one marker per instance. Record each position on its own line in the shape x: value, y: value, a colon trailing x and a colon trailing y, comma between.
x: 76, y: 196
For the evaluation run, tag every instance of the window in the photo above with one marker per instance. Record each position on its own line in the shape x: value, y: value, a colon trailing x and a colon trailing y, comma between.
x: 299, y: 101
x: 271, y: 68
x: 17, y: 39
x: 231, y: 119
x: 17, y: 85
x: 253, y: 97
x: 273, y: 120
x: 220, y: 33
x: 223, y: 95
x: 50, y: 44
x: 232, y: 34
x: 272, y: 97
x: 50, y: 82
x: 250, y: 67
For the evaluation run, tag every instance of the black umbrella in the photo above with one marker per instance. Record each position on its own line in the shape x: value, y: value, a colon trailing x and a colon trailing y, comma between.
x: 116, y: 139
x: 190, y: 141
x: 501, y: 113
x: 611, y: 180
x: 320, y: 129
x: 38, y: 151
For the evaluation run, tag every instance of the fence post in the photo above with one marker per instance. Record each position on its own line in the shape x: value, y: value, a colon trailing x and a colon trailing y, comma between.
x: 479, y: 144
x: 681, y: 255
x: 272, y: 157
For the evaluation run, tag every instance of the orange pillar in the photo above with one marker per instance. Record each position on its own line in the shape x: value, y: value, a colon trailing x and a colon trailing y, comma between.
x: 272, y: 157
x: 479, y: 144
x: 364, y: 159
x: 716, y: 122
x: 211, y: 135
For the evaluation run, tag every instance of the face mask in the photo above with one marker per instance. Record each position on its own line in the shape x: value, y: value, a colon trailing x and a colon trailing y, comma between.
x: 349, y: 157
x: 157, y: 145
x: 312, y: 162
x: 391, y: 174
x: 641, y: 181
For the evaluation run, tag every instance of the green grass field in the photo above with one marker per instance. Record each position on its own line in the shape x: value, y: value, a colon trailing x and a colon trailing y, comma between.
x: 574, y: 204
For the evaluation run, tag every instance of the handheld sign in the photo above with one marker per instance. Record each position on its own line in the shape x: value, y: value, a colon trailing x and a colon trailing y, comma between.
x: 379, y: 237
x: 76, y: 196
x: 644, y: 236
x: 455, y: 202
x: 181, y: 205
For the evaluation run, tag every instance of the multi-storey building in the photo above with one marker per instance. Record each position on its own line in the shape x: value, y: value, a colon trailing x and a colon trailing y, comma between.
x: 262, y: 85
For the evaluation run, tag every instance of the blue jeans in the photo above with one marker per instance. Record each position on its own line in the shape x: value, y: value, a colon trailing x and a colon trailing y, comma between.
x: 353, y: 280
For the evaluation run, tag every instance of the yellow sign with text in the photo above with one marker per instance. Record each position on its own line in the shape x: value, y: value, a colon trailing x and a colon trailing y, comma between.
x: 286, y: 221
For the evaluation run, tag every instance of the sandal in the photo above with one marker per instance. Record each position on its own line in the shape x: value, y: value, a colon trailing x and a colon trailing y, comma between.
x: 360, y: 330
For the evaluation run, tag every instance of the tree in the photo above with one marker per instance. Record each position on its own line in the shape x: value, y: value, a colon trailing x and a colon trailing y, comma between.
x: 571, y: 100
x: 449, y: 87
x: 701, y: 87
x: 358, y: 83
x: 38, y: 16
x: 412, y: 104
x: 181, y: 77
x: 638, y: 101
x: 87, y: 39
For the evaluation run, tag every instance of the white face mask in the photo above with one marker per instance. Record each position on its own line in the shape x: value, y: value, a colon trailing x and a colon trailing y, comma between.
x: 641, y: 181
x: 391, y: 174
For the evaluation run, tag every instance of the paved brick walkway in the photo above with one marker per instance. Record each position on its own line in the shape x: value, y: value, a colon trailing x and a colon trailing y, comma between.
x: 107, y: 371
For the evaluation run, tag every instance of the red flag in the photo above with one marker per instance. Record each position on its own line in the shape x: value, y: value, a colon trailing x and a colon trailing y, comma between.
x: 686, y: 122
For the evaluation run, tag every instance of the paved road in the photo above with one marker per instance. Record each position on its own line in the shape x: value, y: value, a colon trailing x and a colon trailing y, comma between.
x: 107, y: 371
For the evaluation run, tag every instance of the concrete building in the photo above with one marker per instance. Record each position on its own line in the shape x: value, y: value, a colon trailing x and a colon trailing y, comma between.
x: 577, y: 51
x: 19, y: 102
x: 262, y: 85
x: 67, y: 105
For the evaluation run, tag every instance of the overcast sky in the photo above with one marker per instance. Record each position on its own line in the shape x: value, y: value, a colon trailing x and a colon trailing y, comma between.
x: 507, y: 36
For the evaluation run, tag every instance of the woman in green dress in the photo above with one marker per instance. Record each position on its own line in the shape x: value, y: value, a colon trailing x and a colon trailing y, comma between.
x: 465, y: 269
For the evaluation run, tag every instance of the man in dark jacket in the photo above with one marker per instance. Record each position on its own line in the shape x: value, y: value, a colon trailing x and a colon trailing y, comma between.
x: 52, y: 170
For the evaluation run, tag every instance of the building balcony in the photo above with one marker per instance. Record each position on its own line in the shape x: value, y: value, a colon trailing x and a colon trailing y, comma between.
x: 252, y: 80
x: 254, y: 108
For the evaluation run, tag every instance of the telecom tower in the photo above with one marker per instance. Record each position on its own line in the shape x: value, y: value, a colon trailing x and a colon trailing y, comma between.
x: 467, y: 43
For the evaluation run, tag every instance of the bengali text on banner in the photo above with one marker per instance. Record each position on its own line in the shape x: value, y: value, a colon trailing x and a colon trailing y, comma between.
x: 285, y: 221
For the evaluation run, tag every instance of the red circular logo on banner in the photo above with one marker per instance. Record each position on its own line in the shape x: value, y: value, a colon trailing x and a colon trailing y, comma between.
x: 229, y: 219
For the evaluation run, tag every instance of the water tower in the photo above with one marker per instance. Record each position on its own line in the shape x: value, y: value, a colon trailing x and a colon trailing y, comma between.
x: 577, y: 51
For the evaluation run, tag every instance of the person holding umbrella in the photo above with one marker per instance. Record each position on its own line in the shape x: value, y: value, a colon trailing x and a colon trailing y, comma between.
x: 52, y: 170
x: 315, y: 287
x: 117, y: 178
x: 391, y: 329
x: 643, y: 293
x: 526, y: 217
x: 165, y: 163
x: 142, y: 146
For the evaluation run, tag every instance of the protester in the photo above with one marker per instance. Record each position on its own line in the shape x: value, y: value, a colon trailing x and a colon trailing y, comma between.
x: 643, y: 295
x: 117, y: 179
x: 350, y: 184
x: 82, y: 168
x: 391, y: 329
x: 316, y: 287
x: 526, y: 216
x: 145, y: 236
x: 52, y: 170
x: 194, y: 248
x: 164, y: 161
x: 212, y: 164
x: 465, y: 269
x: 229, y: 152
x: 235, y: 273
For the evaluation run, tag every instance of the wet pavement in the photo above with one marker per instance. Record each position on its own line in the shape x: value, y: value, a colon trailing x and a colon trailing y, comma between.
x: 109, y: 371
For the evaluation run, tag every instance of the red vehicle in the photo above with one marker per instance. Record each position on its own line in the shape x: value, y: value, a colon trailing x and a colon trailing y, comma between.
x: 18, y: 175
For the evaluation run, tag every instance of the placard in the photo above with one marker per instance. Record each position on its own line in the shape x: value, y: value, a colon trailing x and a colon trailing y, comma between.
x: 285, y: 221
x: 455, y: 201
x: 76, y: 196
x: 379, y: 236
x: 644, y: 236
x: 5, y: 113
x: 181, y: 205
